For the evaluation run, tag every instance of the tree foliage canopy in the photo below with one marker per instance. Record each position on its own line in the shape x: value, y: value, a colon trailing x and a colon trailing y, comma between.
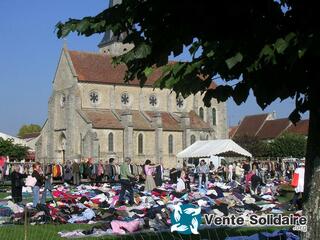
x: 252, y: 144
x: 269, y: 46
x: 14, y: 151
x: 26, y: 129
x: 288, y: 145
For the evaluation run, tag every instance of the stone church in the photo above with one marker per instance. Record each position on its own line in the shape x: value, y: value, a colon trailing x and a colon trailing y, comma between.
x: 93, y: 113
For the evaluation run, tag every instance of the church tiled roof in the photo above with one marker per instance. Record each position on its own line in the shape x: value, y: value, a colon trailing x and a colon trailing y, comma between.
x: 169, y: 122
x: 102, y: 119
x: 196, y: 122
x: 106, y: 119
x: 98, y: 68
x: 138, y: 121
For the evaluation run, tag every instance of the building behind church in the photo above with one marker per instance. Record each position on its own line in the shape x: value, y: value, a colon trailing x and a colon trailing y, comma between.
x: 93, y: 113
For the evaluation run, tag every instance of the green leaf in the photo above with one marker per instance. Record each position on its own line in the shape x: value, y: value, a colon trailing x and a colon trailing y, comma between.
x: 295, y: 116
x: 171, y: 82
x: 266, y: 51
x: 301, y: 52
x: 289, y: 37
x: 240, y: 93
x: 281, y: 45
x: 192, y: 66
x: 148, y: 71
x: 210, y: 54
x: 142, y: 51
x: 177, y: 68
x: 83, y: 26
x: 231, y: 62
x: 194, y: 48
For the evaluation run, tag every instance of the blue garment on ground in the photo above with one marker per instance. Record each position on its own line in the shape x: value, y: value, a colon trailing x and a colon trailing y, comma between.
x: 265, y: 235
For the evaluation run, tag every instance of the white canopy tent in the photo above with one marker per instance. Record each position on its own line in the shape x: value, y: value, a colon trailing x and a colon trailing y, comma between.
x: 209, y: 148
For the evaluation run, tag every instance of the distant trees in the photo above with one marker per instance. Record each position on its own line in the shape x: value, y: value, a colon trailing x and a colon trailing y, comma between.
x: 14, y: 151
x: 27, y: 129
x: 286, y: 145
x: 252, y: 144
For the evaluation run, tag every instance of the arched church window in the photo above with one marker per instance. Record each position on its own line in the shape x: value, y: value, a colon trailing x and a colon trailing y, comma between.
x: 140, y: 143
x: 94, y: 97
x: 110, y: 142
x: 170, y: 143
x: 153, y: 101
x: 214, y: 116
x: 62, y: 100
x: 125, y: 99
x: 192, y: 139
x: 201, y: 113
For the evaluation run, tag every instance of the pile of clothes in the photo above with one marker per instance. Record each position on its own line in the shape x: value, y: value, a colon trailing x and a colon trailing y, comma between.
x: 151, y: 211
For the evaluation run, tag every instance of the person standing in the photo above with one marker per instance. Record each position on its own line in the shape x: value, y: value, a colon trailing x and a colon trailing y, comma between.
x: 126, y: 180
x: 181, y: 184
x: 149, y: 170
x: 239, y: 173
x: 230, y: 172
x: 17, y: 184
x: 203, y: 171
x: 255, y: 183
x: 246, y: 167
x: 100, y: 171
x: 173, y: 175
x: 76, y: 172
x: 158, y: 178
x: 68, y: 172
x: 38, y: 175
x: 298, y: 184
x: 47, y: 185
x: 110, y: 170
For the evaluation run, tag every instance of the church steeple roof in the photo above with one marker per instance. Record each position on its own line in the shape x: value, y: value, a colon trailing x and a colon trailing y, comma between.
x: 108, y: 37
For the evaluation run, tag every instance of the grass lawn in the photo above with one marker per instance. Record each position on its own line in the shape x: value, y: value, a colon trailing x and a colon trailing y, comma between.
x: 3, y: 195
x: 286, y: 193
x: 50, y: 232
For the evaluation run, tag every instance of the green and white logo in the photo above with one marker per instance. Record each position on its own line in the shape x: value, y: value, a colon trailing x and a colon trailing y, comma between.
x: 185, y: 219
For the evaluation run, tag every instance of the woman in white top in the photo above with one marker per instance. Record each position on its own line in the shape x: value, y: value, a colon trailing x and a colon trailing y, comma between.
x: 230, y: 172
x: 181, y: 184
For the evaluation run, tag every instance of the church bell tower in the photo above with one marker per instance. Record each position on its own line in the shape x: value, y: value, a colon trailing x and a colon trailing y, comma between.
x: 112, y: 45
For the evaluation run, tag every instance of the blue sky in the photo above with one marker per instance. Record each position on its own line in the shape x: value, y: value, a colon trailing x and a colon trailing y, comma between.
x: 30, y: 52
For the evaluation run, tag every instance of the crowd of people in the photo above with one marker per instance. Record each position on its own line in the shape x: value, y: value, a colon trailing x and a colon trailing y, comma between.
x: 126, y: 174
x: 250, y: 175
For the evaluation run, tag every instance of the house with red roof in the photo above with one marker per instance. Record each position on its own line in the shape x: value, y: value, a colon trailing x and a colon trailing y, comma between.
x: 266, y: 127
